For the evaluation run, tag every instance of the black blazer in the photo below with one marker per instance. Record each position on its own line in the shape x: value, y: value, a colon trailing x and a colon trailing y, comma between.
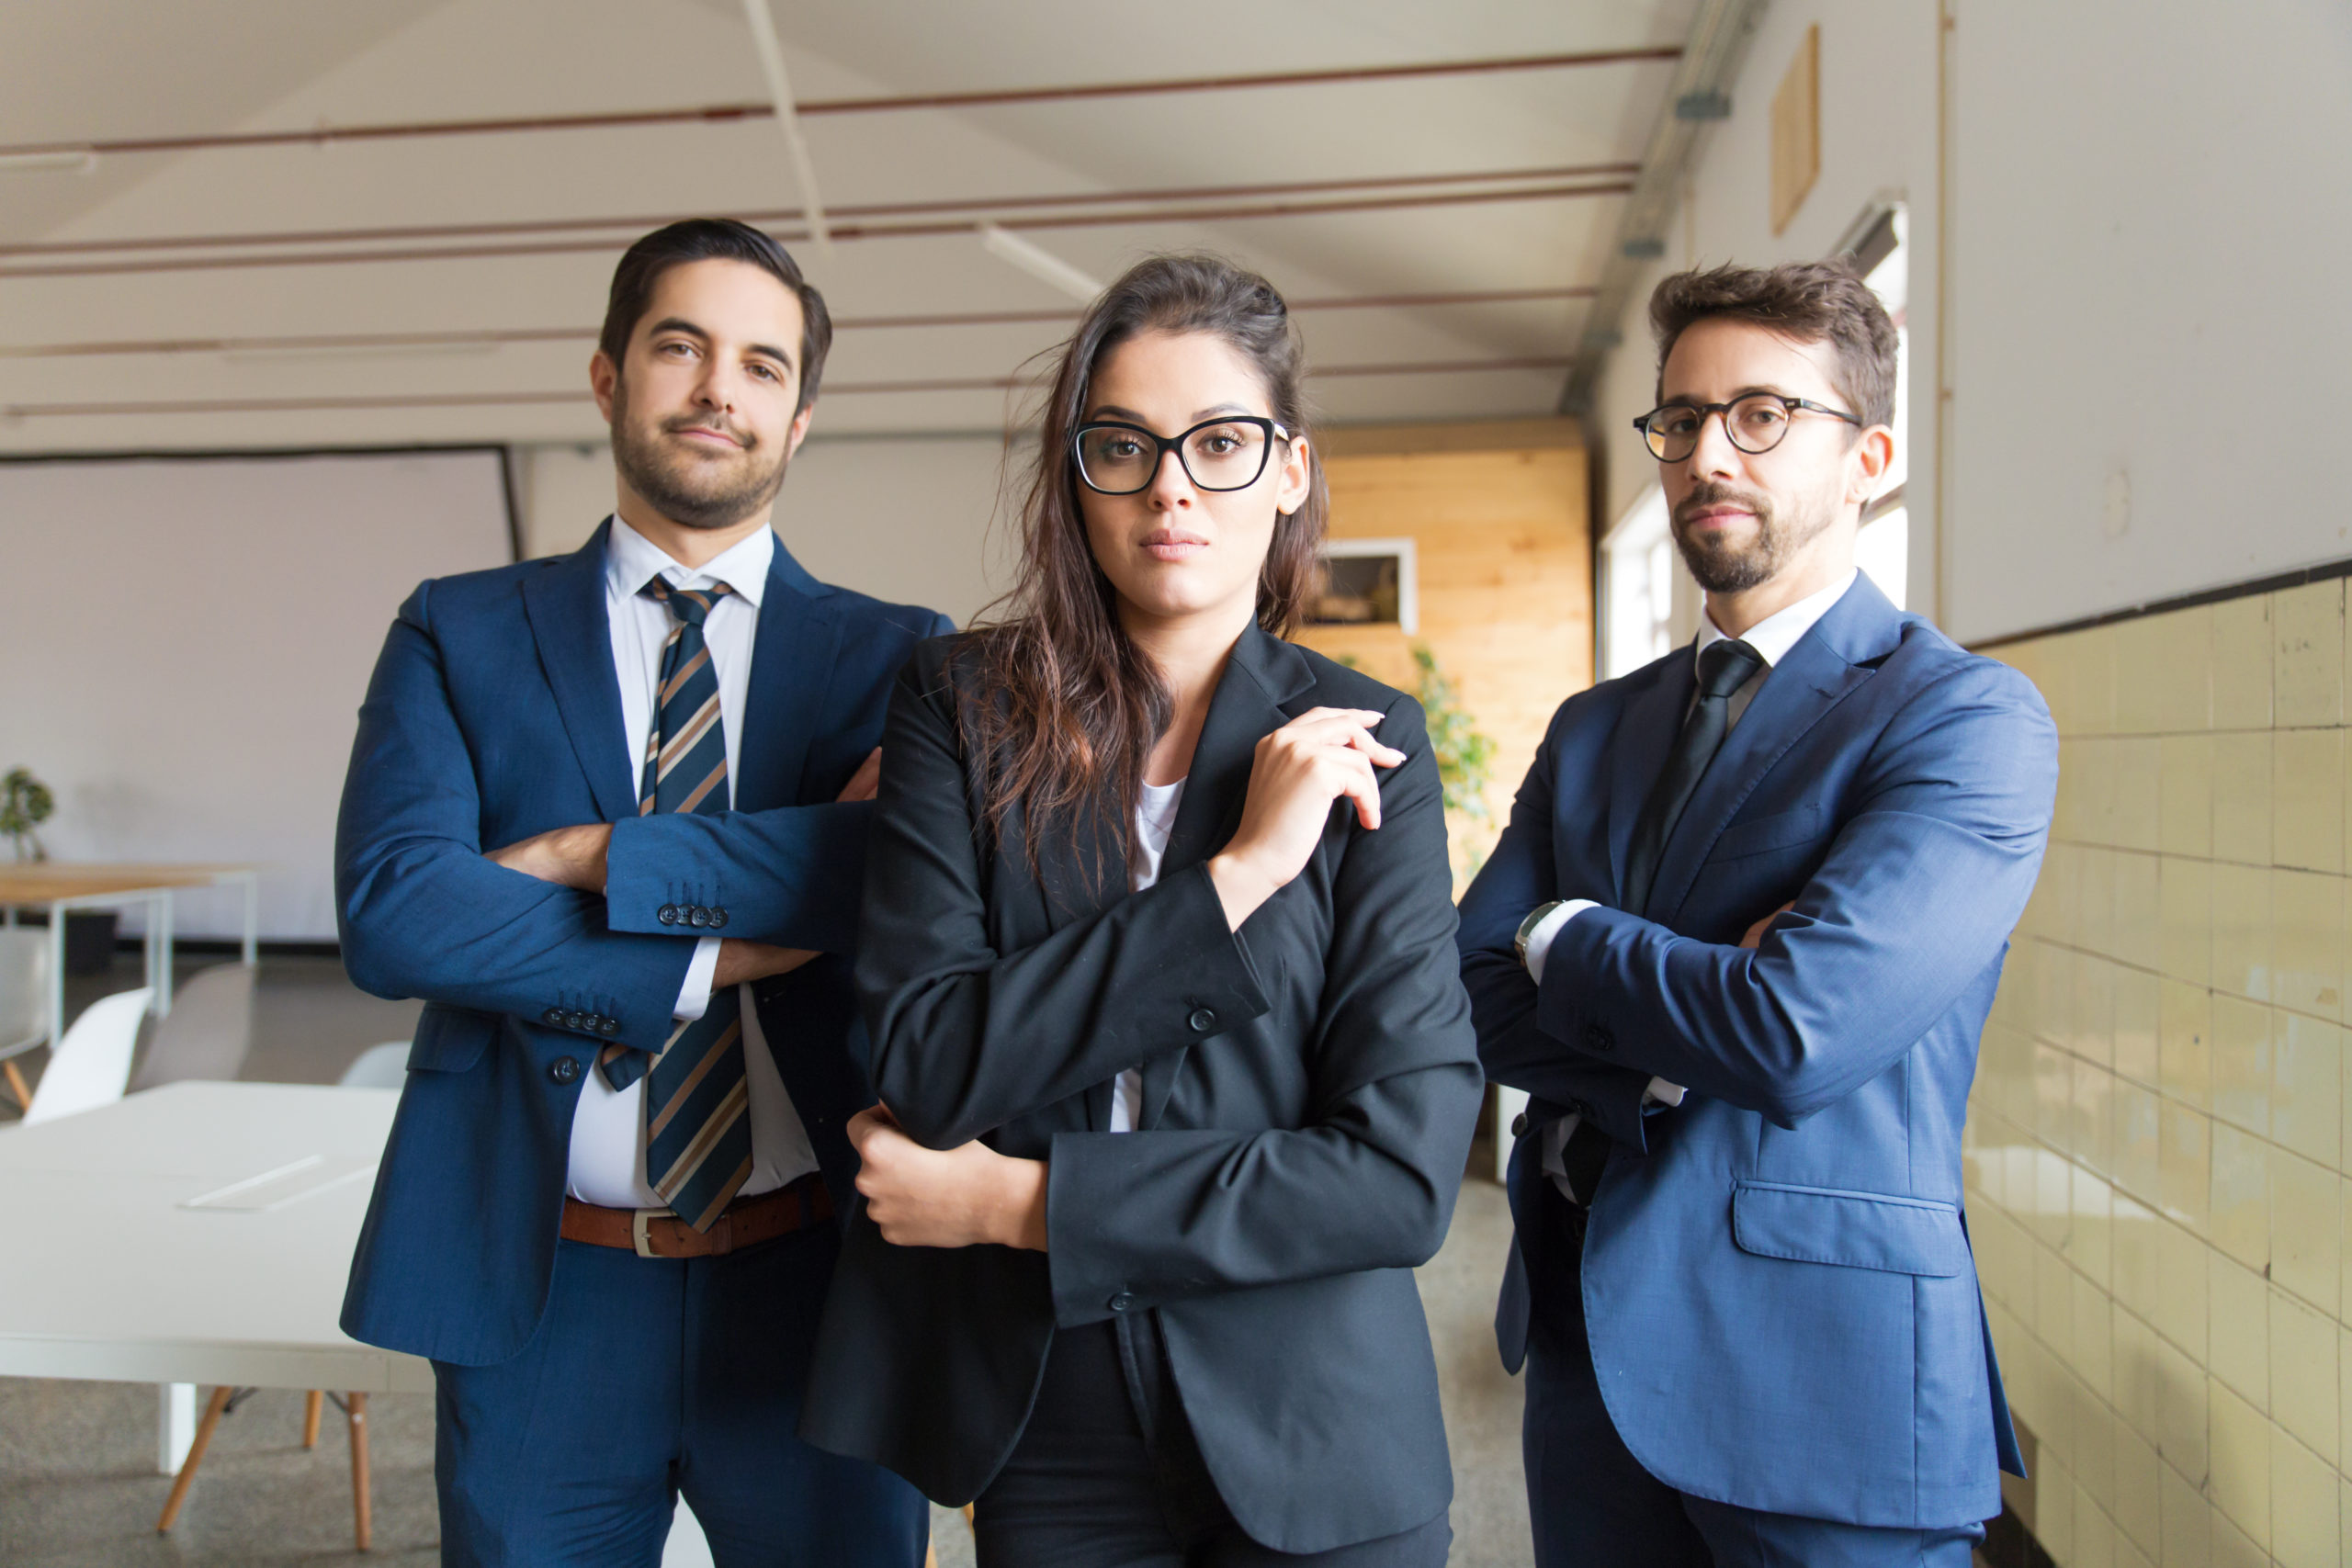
x: 1310, y: 1088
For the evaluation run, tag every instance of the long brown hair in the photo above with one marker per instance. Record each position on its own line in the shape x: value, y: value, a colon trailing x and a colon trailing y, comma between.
x: 1061, y: 707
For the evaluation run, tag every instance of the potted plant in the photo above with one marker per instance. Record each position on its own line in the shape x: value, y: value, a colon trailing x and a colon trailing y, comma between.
x: 25, y: 803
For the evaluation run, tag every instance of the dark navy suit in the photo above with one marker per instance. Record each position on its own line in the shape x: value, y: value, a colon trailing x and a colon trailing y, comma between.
x: 1774, y: 1309
x: 494, y: 714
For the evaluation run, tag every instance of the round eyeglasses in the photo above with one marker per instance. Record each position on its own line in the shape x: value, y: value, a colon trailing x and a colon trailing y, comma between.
x: 1117, y: 459
x: 1756, y: 424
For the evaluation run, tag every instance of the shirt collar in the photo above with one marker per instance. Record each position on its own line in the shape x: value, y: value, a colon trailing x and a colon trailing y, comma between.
x: 633, y: 561
x: 1777, y: 633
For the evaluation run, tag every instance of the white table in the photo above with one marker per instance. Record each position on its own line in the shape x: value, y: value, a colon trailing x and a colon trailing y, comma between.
x: 114, y: 1276
x: 62, y: 886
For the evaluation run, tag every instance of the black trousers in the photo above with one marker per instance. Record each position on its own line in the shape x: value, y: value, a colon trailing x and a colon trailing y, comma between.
x: 1107, y: 1474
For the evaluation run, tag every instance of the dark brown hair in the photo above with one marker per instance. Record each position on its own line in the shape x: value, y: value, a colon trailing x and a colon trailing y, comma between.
x: 1061, y: 708
x: 1808, y: 301
x: 714, y: 239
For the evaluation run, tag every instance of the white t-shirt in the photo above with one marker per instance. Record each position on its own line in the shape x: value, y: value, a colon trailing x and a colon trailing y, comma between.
x: 1155, y: 820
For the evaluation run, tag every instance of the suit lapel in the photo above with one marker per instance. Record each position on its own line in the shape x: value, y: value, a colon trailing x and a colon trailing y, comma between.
x: 565, y: 605
x: 792, y: 664
x: 1646, y: 734
x: 1819, y: 673
x: 1262, y: 675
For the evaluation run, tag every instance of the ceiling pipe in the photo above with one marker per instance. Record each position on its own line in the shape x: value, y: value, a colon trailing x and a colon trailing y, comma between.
x: 500, y: 336
x: 804, y: 170
x: 1037, y: 261
x: 971, y: 205
x: 840, y: 231
x: 1700, y: 95
x: 323, y: 135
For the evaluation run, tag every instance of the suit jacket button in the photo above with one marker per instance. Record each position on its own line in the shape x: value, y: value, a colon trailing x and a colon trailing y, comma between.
x: 1122, y: 1302
x: 1597, y: 1035
x: 1202, y: 1021
x: 1519, y: 1125
x: 564, y: 1069
x: 552, y: 1017
x: 667, y: 914
x: 718, y: 919
x: 697, y: 916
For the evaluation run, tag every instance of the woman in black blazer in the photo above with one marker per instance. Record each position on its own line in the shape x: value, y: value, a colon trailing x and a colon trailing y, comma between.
x: 1158, y: 961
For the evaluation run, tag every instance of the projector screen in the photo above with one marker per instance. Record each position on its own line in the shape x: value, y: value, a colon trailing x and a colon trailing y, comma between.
x: 187, y: 640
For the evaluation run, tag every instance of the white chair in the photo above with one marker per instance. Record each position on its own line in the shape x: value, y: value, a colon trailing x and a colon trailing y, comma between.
x: 24, y: 1001
x: 378, y: 1066
x: 209, y: 1031
x: 92, y: 1063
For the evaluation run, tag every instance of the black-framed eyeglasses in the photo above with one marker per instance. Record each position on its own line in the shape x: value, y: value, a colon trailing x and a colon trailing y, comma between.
x: 1756, y: 424
x: 1117, y: 459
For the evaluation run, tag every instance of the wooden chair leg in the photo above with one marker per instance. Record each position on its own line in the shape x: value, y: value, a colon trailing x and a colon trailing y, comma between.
x: 16, y: 1084
x: 311, y: 1418
x: 221, y: 1397
x: 361, y: 1528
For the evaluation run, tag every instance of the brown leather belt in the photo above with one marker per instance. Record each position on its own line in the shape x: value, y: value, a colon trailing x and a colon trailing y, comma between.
x: 657, y: 1232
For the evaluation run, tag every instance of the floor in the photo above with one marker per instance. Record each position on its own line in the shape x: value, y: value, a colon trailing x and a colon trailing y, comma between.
x: 78, y: 1487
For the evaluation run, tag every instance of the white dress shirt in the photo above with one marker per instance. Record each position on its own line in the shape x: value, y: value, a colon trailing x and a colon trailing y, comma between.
x: 1771, y: 637
x: 607, y: 1162
x: 1155, y: 820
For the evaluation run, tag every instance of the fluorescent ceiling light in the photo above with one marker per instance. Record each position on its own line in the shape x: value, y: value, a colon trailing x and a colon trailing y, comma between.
x: 1039, y: 264
x: 770, y: 52
x: 67, y: 160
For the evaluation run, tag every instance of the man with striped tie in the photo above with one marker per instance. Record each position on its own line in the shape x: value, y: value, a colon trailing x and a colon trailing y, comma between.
x: 606, y: 814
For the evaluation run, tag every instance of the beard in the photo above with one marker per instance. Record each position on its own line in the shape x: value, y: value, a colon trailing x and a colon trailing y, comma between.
x: 691, y: 490
x: 1723, y: 564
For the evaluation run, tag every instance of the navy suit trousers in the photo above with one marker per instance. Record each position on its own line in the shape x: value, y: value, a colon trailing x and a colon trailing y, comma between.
x: 649, y: 1377
x: 1593, y: 1503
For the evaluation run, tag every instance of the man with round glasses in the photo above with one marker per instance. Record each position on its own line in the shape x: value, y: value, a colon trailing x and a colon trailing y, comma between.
x: 1738, y: 943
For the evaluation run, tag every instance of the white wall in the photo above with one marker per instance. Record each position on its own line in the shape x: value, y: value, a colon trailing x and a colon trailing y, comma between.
x: 2154, y: 202
x: 906, y: 519
x: 2148, y: 205
x: 1878, y: 140
x: 189, y: 640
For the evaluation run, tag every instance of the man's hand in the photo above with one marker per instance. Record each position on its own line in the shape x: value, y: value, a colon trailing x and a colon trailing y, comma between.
x: 1755, y: 937
x: 569, y: 857
x: 866, y: 780
x: 740, y: 960
x: 970, y: 1196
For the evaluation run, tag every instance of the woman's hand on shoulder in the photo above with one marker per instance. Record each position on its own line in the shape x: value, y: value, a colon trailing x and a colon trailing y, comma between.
x: 1323, y: 755
x: 970, y: 1196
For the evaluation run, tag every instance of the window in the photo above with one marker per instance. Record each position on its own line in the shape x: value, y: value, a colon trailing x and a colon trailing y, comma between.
x: 1883, y: 548
x: 1366, y: 582
x: 1637, y: 571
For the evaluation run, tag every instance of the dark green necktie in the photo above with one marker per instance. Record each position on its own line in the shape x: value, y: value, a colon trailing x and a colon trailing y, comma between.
x: 1723, y: 668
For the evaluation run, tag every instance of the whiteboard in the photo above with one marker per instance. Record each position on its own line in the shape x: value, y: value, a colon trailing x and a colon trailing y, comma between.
x: 187, y: 640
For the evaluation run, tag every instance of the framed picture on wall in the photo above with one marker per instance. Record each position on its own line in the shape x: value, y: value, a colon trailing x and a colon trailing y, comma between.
x: 1366, y: 582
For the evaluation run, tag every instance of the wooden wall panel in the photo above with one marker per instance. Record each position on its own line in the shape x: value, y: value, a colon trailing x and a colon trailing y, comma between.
x: 1506, y: 589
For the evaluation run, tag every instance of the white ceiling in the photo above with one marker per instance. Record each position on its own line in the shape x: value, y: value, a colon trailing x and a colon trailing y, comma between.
x: 177, y: 339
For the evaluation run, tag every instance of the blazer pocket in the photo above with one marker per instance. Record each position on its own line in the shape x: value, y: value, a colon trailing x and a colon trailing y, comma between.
x: 1854, y: 1230
x: 449, y: 1040
x: 1779, y: 832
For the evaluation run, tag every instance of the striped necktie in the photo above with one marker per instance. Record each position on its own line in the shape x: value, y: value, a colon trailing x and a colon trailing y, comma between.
x: 697, y: 1118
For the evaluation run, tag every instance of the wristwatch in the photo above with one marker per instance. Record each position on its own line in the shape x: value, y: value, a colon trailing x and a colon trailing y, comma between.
x: 1535, y: 917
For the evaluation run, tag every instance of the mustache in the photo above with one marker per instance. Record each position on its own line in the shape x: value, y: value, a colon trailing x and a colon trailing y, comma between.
x: 1714, y: 492
x: 742, y: 438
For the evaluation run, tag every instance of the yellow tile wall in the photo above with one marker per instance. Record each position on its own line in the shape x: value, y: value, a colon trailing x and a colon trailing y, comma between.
x: 2160, y: 1139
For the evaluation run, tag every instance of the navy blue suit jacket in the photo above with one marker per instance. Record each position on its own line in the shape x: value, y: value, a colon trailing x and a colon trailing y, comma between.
x: 494, y: 714
x: 1782, y: 1304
